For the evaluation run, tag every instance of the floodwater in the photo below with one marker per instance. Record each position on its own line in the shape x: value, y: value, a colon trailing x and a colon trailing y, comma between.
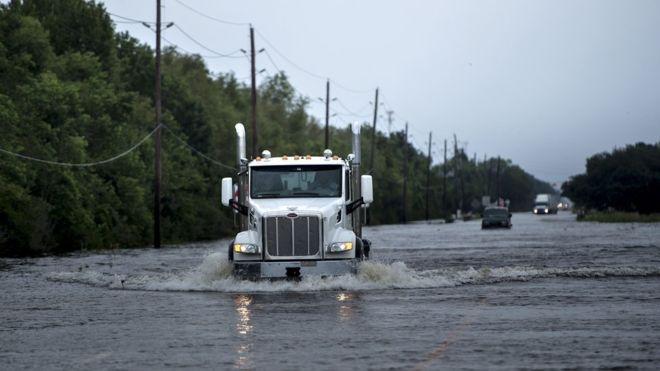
x: 550, y: 293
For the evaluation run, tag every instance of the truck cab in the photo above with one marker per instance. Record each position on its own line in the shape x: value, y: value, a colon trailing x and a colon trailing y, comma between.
x: 300, y: 215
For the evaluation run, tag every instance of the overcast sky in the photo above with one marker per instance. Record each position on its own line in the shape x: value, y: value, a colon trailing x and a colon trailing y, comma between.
x: 543, y: 83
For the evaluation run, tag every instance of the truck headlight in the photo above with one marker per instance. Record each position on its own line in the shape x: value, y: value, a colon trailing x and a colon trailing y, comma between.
x: 246, y: 248
x: 340, y: 246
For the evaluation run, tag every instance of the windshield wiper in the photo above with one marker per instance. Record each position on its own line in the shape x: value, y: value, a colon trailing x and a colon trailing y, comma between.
x: 260, y: 195
x: 306, y: 194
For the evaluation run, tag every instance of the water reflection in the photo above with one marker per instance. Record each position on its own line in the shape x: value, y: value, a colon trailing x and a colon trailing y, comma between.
x: 345, y: 310
x: 243, y: 329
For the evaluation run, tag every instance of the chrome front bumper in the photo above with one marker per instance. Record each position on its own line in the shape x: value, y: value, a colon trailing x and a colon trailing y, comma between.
x: 294, y: 269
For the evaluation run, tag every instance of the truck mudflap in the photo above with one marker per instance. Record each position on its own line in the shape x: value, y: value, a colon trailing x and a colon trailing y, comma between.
x: 294, y: 269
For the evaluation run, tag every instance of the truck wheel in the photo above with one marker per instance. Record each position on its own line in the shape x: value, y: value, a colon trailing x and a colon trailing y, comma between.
x: 358, y: 248
x: 366, y: 248
x: 230, y: 252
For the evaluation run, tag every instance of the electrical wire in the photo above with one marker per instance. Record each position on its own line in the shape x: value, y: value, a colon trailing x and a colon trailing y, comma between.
x: 130, y: 19
x: 272, y: 61
x: 225, y: 55
x: 351, y: 113
x: 288, y: 60
x: 196, y: 150
x: 86, y: 164
x: 212, y: 18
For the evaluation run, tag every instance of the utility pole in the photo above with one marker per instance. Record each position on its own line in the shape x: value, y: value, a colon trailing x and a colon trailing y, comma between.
x: 253, y: 99
x: 157, y: 136
x: 490, y: 173
x: 428, y: 178
x: 498, y: 179
x: 327, y: 114
x: 405, y: 174
x: 373, y: 135
x: 444, y: 179
x: 389, y: 121
x: 459, y: 202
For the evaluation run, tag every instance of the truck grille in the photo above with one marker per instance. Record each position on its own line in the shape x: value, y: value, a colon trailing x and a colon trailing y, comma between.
x: 299, y: 236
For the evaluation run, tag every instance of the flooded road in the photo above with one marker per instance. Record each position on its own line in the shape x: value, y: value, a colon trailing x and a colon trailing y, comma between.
x: 550, y: 293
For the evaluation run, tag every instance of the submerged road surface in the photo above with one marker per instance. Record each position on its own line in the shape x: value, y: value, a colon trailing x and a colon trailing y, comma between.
x: 550, y: 293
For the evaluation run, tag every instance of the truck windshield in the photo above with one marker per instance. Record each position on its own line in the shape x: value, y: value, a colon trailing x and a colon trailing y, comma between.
x: 295, y: 181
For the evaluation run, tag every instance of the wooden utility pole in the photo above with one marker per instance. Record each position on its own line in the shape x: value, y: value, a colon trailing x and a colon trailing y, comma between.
x: 405, y: 174
x: 157, y: 136
x: 253, y: 97
x: 373, y: 135
x: 498, y: 179
x: 389, y: 121
x: 444, y: 179
x: 428, y: 177
x: 327, y: 114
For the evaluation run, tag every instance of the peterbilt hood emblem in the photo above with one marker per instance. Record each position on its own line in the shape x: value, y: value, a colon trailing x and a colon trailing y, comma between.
x: 292, y: 215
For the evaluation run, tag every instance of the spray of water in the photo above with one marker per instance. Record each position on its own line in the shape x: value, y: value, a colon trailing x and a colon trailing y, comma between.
x: 214, y: 274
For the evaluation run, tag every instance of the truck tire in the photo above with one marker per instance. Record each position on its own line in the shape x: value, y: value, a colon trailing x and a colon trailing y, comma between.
x: 230, y: 252
x: 366, y: 248
x: 358, y: 249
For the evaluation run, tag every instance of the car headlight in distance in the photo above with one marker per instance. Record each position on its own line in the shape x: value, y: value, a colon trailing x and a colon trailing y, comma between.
x: 340, y: 246
x: 246, y: 248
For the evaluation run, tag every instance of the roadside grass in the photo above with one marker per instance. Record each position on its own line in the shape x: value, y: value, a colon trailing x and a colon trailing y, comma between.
x: 619, y: 217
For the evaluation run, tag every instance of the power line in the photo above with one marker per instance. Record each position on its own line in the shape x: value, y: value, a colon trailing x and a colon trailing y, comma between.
x: 176, y: 46
x: 133, y: 20
x: 272, y: 61
x: 356, y: 91
x: 212, y: 18
x: 351, y: 113
x: 196, y: 150
x: 288, y: 60
x: 226, y: 55
x: 85, y: 164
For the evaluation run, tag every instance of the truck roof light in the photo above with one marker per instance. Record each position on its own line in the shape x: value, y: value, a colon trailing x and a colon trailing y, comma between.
x: 327, y: 154
x: 258, y: 158
x: 308, y: 157
x: 284, y: 157
x: 335, y: 157
x: 296, y: 157
x: 265, y: 154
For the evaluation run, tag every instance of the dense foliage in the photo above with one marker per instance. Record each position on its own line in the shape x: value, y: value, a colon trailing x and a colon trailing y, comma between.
x: 75, y: 91
x: 627, y: 179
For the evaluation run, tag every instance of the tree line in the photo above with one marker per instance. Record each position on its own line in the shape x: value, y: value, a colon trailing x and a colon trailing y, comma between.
x: 627, y: 179
x: 75, y: 91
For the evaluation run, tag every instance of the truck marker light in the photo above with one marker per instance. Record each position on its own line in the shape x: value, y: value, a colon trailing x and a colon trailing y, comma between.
x: 296, y: 157
x: 308, y: 157
x: 284, y: 157
x: 258, y: 158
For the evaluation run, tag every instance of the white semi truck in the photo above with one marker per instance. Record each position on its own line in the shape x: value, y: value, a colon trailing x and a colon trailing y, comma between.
x: 298, y: 215
x: 546, y: 204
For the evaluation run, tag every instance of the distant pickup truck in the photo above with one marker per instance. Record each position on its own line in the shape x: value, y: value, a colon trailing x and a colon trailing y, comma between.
x: 496, y: 217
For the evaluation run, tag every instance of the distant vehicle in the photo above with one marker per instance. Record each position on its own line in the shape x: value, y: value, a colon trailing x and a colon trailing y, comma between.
x: 564, y: 203
x: 546, y: 204
x: 496, y: 217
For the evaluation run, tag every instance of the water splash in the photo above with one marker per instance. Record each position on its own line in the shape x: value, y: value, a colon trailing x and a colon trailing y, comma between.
x: 214, y: 274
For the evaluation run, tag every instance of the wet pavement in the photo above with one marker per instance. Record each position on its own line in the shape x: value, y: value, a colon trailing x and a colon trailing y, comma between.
x: 550, y: 293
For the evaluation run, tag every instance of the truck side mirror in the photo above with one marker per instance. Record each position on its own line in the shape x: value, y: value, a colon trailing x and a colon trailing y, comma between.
x: 227, y: 188
x: 367, y: 189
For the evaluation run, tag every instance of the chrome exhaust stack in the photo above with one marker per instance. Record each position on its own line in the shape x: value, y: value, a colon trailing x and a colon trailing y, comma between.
x: 241, y: 165
x: 356, y: 191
